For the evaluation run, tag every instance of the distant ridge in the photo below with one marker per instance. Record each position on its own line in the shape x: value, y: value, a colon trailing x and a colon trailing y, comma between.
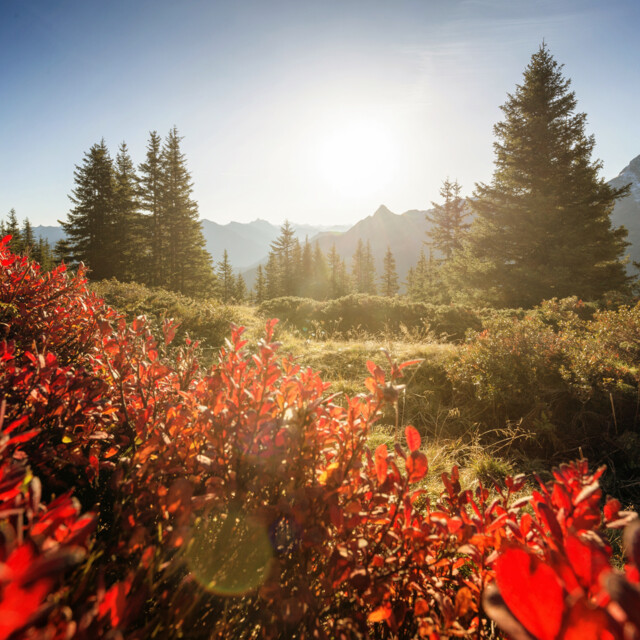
x: 627, y: 211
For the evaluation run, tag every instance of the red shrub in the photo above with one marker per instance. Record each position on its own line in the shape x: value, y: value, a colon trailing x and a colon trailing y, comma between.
x: 243, y: 502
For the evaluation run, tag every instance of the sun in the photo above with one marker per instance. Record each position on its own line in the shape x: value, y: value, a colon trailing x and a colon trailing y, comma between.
x: 357, y: 158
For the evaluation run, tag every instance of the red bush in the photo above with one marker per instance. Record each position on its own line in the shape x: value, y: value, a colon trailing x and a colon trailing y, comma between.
x: 243, y: 502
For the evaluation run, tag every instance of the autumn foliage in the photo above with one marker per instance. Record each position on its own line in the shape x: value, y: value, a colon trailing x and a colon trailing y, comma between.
x: 144, y: 495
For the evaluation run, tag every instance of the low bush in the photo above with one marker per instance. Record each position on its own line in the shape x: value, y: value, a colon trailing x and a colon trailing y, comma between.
x: 365, y: 315
x: 204, y: 320
x: 241, y: 501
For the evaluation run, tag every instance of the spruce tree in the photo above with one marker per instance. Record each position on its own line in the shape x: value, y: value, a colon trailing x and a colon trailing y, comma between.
x: 12, y: 228
x: 287, y: 255
x: 188, y: 264
x: 542, y: 227
x: 240, y: 291
x: 448, y: 225
x: 226, y: 279
x: 150, y: 188
x: 28, y: 239
x: 389, y: 281
x: 89, y: 228
x: 128, y: 225
x: 260, y: 286
x: 320, y: 278
x: 339, y: 283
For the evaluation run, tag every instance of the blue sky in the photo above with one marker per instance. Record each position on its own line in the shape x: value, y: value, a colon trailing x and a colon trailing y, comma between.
x: 313, y: 111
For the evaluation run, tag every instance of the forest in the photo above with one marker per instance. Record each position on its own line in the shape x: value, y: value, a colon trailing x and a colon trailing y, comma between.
x: 332, y: 453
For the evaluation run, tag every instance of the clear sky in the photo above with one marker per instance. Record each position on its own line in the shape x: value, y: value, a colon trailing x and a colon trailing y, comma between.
x: 317, y: 111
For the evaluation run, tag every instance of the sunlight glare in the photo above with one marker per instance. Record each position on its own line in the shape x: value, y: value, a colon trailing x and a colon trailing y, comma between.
x: 357, y: 158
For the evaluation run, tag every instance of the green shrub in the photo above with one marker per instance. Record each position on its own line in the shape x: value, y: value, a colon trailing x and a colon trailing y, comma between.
x: 207, y: 321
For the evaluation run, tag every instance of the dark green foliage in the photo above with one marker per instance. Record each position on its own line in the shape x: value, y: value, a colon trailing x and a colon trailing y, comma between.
x: 150, y: 197
x: 542, y: 227
x: 89, y: 225
x: 129, y: 232
x: 12, y: 228
x: 188, y: 265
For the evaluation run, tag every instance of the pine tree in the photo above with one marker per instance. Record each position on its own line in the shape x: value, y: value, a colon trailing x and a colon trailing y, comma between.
x: 12, y: 228
x: 448, y: 225
x: 28, y: 239
x: 240, y: 290
x: 389, y: 280
x: 272, y: 277
x: 150, y: 190
x: 43, y: 255
x: 89, y: 228
x: 306, y: 279
x: 320, y: 287
x: 260, y: 286
x: 226, y: 279
x: 542, y: 227
x: 339, y: 283
x: 363, y: 269
x: 128, y: 225
x: 286, y: 261
x: 188, y: 264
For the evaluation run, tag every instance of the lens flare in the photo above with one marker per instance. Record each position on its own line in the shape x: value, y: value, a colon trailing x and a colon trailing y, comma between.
x: 230, y: 554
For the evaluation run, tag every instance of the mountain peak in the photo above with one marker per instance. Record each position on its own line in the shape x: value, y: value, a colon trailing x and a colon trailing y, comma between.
x: 382, y: 211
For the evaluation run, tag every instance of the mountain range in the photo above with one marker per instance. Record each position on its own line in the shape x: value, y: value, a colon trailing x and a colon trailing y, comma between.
x: 248, y: 243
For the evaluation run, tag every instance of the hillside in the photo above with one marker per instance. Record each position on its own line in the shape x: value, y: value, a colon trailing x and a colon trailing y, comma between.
x: 627, y: 210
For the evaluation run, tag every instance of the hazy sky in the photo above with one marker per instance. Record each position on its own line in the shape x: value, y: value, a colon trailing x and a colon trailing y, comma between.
x: 313, y: 111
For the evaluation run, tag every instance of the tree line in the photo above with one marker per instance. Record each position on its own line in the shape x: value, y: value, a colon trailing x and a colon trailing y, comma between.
x: 23, y: 241
x: 540, y: 229
x: 139, y: 225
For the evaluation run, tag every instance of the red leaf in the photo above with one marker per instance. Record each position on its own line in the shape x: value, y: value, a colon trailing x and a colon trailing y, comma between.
x: 417, y: 466
x: 413, y: 438
x: 381, y: 463
x: 611, y: 509
x: 531, y: 591
x: 380, y: 614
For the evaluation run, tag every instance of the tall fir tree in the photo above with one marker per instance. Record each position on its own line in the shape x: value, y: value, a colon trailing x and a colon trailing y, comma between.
x: 339, y: 282
x: 89, y: 224
x: 150, y: 194
x: 286, y: 251
x: 542, y: 227
x: 320, y: 275
x: 28, y: 239
x: 363, y: 269
x: 188, y: 264
x: 389, y: 286
x: 260, y: 286
x: 226, y: 279
x: 12, y: 228
x: 448, y: 220
x: 130, y: 242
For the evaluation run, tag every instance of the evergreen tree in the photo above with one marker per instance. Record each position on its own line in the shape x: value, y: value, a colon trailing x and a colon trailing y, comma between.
x: 150, y: 193
x: 448, y: 225
x: 43, y: 255
x: 188, y: 264
x: 12, y: 228
x: 542, y: 227
x: 272, y: 277
x: 260, y: 286
x: 226, y: 279
x: 320, y: 287
x: 363, y: 269
x: 306, y: 279
x: 62, y: 252
x: 89, y: 228
x: 286, y: 261
x: 28, y: 239
x: 240, y: 291
x: 389, y: 281
x: 339, y: 284
x: 129, y: 232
